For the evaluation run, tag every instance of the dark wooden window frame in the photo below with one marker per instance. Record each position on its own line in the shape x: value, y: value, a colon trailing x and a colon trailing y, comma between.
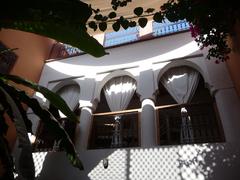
x: 125, y: 112
x: 217, y: 119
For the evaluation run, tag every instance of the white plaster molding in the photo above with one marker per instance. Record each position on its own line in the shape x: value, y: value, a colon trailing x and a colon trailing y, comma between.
x: 109, y: 76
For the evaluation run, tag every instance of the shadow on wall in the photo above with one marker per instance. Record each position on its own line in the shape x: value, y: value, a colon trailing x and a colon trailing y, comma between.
x: 55, y: 165
x: 183, y: 162
x: 187, y: 162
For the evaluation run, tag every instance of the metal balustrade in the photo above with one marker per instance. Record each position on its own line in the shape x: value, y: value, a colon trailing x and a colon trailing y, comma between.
x: 129, y: 35
x: 132, y: 34
x: 160, y: 29
x: 201, y: 126
x: 72, y: 50
x: 114, y: 130
x: 121, y: 37
x: 61, y: 50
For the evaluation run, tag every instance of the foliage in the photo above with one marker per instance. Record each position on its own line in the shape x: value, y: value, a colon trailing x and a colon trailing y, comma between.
x: 62, y: 20
x: 12, y: 103
x: 212, y: 21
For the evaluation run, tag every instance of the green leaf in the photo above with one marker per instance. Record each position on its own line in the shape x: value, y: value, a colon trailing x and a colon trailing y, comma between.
x: 62, y: 20
x: 112, y: 15
x: 105, y: 18
x: 116, y: 26
x: 51, y: 123
x: 6, y: 159
x: 68, y: 34
x: 4, y: 107
x: 26, y: 165
x: 150, y: 10
x: 114, y: 7
x: 98, y: 17
x: 125, y: 23
x: 9, y: 110
x: 138, y: 11
x: 132, y: 23
x: 54, y: 98
x: 158, y: 17
x: 142, y: 22
x: 103, y: 26
x: 92, y: 25
x: 123, y: 3
x: 96, y: 11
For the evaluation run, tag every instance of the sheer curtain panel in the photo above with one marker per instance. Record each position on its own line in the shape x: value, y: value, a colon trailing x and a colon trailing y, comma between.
x: 70, y: 94
x: 181, y: 83
x: 119, y: 92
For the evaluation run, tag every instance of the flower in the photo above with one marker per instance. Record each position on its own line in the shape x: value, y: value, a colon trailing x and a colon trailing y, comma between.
x: 211, y: 23
x: 195, y: 31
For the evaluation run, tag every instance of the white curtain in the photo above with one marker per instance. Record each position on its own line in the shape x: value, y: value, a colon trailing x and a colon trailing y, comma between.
x: 70, y: 94
x: 118, y: 93
x: 181, y: 83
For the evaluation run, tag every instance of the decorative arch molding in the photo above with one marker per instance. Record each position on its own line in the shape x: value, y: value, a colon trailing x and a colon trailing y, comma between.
x: 64, y: 83
x: 187, y: 63
x: 108, y: 77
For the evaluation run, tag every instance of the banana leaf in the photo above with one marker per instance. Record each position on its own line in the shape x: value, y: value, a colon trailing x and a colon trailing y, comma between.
x: 62, y: 20
x: 26, y: 167
x: 54, y: 98
x: 49, y: 120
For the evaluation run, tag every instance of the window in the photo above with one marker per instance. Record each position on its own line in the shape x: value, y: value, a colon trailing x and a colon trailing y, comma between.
x: 194, y: 121
x: 46, y: 139
x: 104, y: 131
x: 116, y: 127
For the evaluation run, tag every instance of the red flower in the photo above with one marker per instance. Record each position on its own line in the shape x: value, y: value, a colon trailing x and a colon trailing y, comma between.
x: 194, y: 30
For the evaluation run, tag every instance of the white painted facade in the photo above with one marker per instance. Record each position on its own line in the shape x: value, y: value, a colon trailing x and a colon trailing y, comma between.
x: 145, y: 62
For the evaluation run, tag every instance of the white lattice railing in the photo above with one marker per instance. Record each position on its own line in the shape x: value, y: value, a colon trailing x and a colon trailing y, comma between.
x: 160, y: 29
x: 121, y: 37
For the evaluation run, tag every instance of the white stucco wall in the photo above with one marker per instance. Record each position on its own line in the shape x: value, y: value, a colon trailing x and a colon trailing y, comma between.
x: 145, y: 62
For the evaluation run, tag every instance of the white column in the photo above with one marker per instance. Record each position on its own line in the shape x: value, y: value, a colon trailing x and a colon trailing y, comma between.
x: 148, y: 124
x: 84, y: 128
x: 228, y: 105
x: 146, y: 89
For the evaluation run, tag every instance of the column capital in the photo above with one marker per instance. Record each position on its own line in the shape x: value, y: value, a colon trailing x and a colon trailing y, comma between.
x: 148, y: 101
x: 88, y: 105
x: 152, y: 98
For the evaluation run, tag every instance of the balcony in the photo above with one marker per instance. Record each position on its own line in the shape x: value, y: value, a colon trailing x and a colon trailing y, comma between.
x: 201, y: 126
x: 114, y: 130
x: 121, y: 37
x: 161, y: 29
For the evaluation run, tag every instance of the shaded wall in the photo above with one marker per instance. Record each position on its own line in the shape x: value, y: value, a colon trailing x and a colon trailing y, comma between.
x: 146, y: 61
x: 234, y: 62
x: 32, y: 51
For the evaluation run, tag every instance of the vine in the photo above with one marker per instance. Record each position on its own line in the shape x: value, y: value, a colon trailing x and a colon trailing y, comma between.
x: 211, y: 21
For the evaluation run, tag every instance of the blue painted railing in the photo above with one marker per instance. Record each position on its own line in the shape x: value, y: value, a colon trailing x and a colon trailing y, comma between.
x: 160, y: 29
x: 121, y: 37
x: 132, y: 34
x: 72, y: 50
